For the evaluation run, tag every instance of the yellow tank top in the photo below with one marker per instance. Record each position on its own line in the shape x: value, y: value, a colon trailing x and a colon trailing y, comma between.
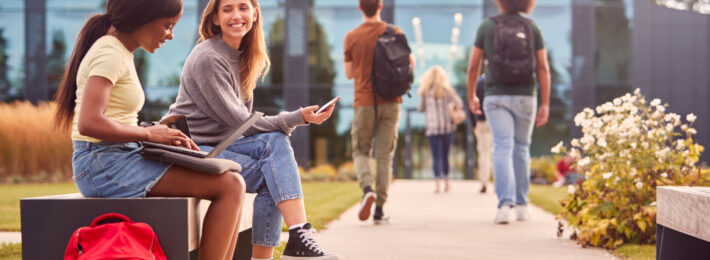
x: 110, y: 59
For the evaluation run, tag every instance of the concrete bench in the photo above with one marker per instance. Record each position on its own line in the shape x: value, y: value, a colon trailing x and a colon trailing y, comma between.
x: 682, y: 222
x: 48, y: 222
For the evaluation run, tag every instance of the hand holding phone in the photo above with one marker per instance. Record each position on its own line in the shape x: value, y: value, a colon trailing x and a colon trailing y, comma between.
x: 327, y: 105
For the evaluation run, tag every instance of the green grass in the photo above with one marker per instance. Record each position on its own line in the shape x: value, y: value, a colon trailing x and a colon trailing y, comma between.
x: 11, y: 251
x: 11, y: 194
x: 548, y: 198
x: 278, y: 251
x: 325, y: 201
x: 636, y: 252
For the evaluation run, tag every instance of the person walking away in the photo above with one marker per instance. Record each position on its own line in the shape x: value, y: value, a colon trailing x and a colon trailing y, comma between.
x: 368, y: 126
x: 435, y: 96
x: 484, y: 139
x: 100, y: 97
x: 216, y: 95
x: 513, y: 45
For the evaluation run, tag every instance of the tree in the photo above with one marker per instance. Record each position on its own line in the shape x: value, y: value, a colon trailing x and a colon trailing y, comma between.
x: 557, y: 126
x: 4, y: 80
x: 56, y: 61
x: 140, y: 58
x: 321, y: 75
x: 613, y: 51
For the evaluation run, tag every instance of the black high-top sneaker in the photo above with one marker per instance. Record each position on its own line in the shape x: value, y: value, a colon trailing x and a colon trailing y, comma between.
x: 302, y: 246
x: 380, y: 217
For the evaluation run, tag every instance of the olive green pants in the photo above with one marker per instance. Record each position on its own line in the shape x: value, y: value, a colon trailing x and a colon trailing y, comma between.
x: 385, y: 139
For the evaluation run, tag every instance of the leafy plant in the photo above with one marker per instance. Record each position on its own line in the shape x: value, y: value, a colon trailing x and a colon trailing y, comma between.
x: 544, y: 167
x: 628, y: 148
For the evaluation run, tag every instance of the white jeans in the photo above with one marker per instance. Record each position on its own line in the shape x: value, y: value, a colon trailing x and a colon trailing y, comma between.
x: 484, y: 148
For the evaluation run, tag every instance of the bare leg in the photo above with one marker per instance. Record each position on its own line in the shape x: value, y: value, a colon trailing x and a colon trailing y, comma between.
x: 226, y: 192
x: 294, y: 211
x: 262, y: 252
x: 437, y: 185
x: 235, y: 235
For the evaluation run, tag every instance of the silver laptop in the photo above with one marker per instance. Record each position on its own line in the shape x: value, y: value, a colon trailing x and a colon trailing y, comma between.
x: 217, y: 149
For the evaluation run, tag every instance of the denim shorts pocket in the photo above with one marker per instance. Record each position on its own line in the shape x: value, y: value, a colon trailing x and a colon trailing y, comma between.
x: 105, y: 157
x: 85, y: 184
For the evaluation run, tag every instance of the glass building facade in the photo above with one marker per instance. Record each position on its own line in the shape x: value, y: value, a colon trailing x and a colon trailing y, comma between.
x: 439, y: 32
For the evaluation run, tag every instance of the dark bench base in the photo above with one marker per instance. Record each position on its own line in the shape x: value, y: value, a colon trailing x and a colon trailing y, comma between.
x: 671, y: 244
x: 48, y: 222
x: 243, y: 251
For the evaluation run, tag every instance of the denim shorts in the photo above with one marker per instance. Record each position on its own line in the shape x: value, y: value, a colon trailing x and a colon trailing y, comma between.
x: 114, y: 170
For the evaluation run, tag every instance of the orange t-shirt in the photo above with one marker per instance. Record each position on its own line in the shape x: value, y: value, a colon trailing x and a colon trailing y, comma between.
x: 360, y: 50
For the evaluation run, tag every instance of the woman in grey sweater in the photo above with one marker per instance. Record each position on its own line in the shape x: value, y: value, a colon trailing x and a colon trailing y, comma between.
x: 216, y: 96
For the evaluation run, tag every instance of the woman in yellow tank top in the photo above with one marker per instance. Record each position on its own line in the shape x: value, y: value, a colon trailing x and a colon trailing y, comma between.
x: 99, y: 98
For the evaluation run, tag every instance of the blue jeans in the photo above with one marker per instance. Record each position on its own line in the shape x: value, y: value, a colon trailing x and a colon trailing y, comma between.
x: 511, y: 119
x: 440, y: 146
x: 269, y: 170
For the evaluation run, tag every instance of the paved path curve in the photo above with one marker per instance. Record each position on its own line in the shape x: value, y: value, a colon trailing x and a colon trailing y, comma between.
x: 454, y: 225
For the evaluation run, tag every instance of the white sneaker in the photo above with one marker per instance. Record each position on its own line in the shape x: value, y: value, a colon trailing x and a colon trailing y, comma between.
x: 522, y: 213
x: 502, y: 217
x: 366, y: 205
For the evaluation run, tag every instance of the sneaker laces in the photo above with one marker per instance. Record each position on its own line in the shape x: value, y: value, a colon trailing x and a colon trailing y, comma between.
x: 306, y: 236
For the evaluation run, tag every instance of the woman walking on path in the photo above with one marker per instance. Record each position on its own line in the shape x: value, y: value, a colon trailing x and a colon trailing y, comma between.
x: 216, y: 96
x: 436, y: 96
x: 99, y: 98
x: 517, y: 61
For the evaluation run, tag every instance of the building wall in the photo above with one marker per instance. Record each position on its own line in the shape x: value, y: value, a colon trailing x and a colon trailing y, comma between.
x: 671, y: 61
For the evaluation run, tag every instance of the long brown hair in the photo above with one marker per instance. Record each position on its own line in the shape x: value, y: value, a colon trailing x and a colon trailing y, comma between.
x: 254, y: 59
x: 124, y: 15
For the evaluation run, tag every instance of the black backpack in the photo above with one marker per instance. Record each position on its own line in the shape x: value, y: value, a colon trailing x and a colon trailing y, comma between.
x: 392, y: 74
x: 514, y: 55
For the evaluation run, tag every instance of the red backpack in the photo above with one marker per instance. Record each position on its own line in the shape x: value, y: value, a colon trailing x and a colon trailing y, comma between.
x: 120, y: 240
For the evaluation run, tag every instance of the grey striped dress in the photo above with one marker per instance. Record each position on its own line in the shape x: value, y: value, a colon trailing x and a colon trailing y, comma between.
x: 438, y: 121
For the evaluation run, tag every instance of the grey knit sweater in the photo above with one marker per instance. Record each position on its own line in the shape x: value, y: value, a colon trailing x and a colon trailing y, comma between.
x: 211, y: 100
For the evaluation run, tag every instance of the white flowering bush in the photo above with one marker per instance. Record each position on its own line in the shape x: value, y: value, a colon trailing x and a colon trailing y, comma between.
x: 628, y: 148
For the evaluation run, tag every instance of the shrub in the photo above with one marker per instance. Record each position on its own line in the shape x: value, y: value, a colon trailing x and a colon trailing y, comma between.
x: 326, y: 172
x: 544, y: 167
x: 628, y: 148
x: 323, y: 172
x: 30, y: 148
x: 346, y: 172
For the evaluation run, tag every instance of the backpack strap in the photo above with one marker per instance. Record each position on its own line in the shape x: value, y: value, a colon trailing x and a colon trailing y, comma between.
x: 496, y: 19
x: 390, y: 29
x: 117, y: 216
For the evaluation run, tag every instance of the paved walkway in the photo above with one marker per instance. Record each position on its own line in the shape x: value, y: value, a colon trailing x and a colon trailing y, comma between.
x: 454, y: 225
x: 10, y: 237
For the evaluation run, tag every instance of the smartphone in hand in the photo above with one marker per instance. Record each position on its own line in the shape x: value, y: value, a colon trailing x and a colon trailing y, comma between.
x: 327, y: 105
